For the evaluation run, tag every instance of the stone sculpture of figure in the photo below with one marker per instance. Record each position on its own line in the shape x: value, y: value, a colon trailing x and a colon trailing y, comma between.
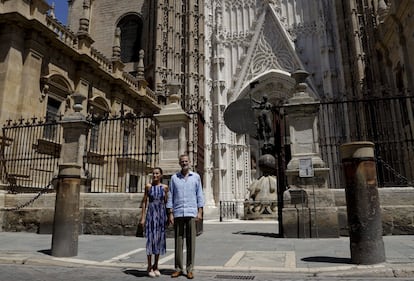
x: 265, y: 187
x: 265, y: 130
x: 262, y: 201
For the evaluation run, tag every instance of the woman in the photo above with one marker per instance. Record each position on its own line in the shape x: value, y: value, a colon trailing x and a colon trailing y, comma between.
x: 154, y: 220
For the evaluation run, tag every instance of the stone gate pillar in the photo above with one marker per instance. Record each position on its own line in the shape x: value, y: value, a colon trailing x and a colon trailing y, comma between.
x: 66, y: 223
x: 309, y: 207
x: 173, y: 128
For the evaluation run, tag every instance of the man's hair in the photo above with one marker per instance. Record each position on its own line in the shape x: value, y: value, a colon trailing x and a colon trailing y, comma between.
x: 183, y: 155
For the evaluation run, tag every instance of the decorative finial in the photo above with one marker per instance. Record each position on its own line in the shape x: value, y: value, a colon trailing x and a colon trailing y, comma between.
x: 52, y: 11
x: 84, y: 21
x: 140, y: 67
x: 174, y: 93
x: 300, y: 76
x: 78, y: 99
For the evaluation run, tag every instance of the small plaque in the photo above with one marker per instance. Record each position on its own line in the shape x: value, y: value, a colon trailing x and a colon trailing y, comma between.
x: 306, y: 168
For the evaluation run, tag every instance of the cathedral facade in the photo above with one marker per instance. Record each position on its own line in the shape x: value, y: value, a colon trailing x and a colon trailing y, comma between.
x: 215, y: 52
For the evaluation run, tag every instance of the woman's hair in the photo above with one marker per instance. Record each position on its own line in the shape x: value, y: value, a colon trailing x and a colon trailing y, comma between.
x: 158, y: 168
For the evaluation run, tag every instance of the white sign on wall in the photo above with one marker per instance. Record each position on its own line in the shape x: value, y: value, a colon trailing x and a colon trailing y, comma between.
x: 306, y: 168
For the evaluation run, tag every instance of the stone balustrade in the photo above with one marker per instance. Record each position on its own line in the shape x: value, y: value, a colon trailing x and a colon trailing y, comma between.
x: 63, y: 33
x: 135, y: 85
x: 104, y: 62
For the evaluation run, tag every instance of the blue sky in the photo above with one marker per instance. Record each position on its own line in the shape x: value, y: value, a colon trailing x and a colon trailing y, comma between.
x: 61, y: 9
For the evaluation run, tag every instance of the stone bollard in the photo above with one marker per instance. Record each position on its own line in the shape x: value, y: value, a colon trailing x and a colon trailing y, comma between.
x: 362, y: 201
x: 67, y: 215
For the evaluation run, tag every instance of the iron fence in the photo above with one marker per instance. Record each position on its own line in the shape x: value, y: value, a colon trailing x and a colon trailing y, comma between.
x: 387, y: 122
x: 121, y: 152
x: 30, y: 151
x: 230, y: 210
x: 118, y: 156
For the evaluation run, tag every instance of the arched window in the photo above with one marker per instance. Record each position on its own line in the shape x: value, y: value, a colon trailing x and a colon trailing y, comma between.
x: 131, y: 32
x: 58, y: 91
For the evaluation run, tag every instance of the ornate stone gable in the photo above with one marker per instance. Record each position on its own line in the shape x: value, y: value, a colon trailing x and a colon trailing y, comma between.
x: 270, y: 49
x: 273, y: 50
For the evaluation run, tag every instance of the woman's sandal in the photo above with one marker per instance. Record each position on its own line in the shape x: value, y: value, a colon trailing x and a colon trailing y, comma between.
x: 151, y: 272
x: 156, y: 271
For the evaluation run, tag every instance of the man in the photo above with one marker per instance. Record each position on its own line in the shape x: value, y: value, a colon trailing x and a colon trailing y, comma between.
x: 185, y: 207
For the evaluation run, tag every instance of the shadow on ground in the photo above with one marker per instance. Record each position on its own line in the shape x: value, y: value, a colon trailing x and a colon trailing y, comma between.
x: 143, y: 273
x: 325, y: 259
x: 264, y: 234
x: 46, y: 252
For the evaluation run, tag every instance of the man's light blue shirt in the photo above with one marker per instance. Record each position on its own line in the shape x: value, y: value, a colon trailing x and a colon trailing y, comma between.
x: 185, y: 195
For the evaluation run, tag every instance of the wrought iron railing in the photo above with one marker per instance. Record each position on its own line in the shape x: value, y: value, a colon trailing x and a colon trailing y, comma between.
x: 230, y: 210
x: 119, y: 154
x: 387, y: 122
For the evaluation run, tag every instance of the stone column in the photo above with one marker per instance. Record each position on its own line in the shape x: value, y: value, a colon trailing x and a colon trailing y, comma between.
x: 362, y: 202
x: 309, y: 208
x: 173, y: 125
x: 66, y: 224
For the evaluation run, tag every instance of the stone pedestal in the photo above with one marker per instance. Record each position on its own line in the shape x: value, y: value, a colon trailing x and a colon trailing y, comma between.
x: 260, y: 210
x: 308, y: 205
x: 309, y: 209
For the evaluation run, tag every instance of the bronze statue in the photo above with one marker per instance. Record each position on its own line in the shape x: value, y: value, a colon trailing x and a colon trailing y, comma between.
x: 265, y: 126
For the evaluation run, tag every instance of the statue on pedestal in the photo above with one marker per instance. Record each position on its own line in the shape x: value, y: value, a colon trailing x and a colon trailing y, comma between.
x: 265, y: 118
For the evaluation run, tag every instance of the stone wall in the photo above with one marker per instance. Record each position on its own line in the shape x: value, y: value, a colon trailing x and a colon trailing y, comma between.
x: 118, y: 214
x: 323, y: 212
x: 115, y: 214
x: 397, y: 207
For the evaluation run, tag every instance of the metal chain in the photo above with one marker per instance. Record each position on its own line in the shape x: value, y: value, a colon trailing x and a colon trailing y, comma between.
x: 14, y: 186
x: 394, y: 172
x: 21, y: 206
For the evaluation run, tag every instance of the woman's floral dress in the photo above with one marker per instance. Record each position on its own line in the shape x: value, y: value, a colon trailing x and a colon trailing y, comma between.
x: 155, y: 221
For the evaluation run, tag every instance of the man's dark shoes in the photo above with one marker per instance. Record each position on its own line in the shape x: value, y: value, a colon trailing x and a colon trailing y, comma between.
x: 175, y: 274
x: 190, y: 275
